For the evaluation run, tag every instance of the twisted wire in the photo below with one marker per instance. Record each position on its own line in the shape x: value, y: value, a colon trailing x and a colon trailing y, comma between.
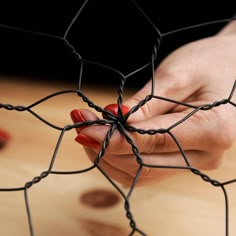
x: 118, y: 123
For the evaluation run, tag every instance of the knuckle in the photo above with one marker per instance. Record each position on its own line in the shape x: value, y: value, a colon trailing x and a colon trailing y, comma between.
x: 147, y: 172
x: 214, y: 162
x: 222, y: 137
x: 173, y: 74
x: 226, y: 140
x: 218, y: 133
x: 154, y: 143
x: 144, y: 111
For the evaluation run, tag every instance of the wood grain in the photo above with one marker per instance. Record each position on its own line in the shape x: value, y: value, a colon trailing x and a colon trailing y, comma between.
x: 180, y: 205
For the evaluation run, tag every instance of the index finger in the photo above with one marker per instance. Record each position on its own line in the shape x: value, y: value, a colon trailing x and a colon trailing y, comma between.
x: 168, y: 91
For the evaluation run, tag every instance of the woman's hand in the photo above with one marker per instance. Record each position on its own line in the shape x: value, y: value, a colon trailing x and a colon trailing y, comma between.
x: 198, y: 73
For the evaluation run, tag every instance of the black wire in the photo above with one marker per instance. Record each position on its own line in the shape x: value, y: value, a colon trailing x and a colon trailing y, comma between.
x: 118, y: 123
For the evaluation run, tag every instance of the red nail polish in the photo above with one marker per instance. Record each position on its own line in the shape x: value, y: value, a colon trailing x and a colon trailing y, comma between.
x: 113, y: 108
x: 4, y: 138
x: 87, y: 141
x: 76, y: 117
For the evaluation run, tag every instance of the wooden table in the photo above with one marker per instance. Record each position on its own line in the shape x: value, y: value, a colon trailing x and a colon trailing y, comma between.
x: 87, y: 204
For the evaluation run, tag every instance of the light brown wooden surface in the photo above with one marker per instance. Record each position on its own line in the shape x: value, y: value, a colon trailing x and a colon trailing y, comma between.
x: 180, y: 205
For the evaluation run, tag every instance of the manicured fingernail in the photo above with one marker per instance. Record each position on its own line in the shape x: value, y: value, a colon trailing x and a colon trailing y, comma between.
x: 113, y: 108
x: 87, y: 141
x: 76, y: 117
x: 4, y: 138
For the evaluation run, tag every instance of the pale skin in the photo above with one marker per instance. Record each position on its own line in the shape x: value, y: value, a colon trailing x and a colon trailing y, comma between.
x: 200, y: 72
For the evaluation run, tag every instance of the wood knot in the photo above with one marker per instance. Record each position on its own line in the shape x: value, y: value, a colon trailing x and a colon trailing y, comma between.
x: 100, y: 198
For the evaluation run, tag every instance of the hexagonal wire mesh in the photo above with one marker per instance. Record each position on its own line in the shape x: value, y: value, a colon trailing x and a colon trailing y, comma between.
x: 119, y: 123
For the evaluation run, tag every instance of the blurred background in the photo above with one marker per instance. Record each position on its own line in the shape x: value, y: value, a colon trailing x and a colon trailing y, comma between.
x: 110, y: 32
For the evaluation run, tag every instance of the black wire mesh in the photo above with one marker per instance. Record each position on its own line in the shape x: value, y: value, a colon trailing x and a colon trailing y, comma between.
x: 119, y: 123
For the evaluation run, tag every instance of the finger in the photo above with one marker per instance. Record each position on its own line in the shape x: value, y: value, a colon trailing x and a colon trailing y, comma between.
x: 198, y: 132
x: 202, y: 131
x: 80, y: 116
x: 124, y: 169
x: 92, y: 134
x: 168, y: 162
x: 116, y: 174
x: 170, y: 82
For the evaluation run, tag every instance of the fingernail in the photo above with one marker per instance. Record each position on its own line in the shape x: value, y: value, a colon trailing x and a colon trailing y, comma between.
x: 87, y: 141
x: 4, y: 138
x: 76, y: 117
x: 113, y: 108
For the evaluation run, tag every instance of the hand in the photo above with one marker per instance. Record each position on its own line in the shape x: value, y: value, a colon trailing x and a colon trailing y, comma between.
x: 198, y: 73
